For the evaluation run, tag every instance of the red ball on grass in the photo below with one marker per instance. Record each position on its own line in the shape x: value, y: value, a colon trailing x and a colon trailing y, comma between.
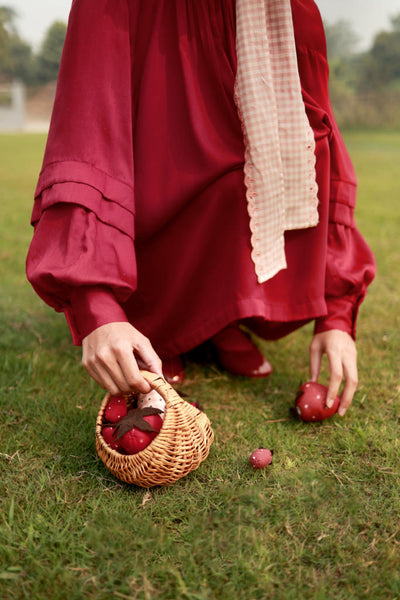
x: 310, y: 403
x: 261, y: 458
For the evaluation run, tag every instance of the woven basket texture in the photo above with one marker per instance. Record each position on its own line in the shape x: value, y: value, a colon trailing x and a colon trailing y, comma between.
x: 182, y: 444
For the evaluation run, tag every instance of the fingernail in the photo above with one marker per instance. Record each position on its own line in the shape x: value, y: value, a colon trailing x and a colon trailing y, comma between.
x: 342, y: 412
x: 329, y: 403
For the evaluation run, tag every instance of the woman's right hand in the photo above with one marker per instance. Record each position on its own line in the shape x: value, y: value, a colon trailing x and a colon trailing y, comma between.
x: 113, y: 354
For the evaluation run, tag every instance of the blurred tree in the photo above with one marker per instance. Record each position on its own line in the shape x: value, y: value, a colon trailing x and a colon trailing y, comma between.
x: 386, y: 52
x: 7, y: 19
x: 381, y: 65
x: 395, y: 20
x: 341, y: 39
x: 22, y: 60
x: 49, y: 56
x: 365, y: 87
x: 16, y: 59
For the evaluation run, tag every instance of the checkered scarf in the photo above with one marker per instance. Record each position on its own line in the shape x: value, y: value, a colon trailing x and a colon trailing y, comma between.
x: 281, y: 189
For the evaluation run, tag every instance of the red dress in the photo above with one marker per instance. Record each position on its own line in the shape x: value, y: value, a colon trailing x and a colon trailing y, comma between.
x: 140, y: 212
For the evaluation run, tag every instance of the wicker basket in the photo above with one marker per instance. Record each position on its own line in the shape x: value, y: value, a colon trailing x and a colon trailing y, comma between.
x: 183, y: 442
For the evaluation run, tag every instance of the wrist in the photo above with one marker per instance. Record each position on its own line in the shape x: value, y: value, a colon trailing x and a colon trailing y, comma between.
x: 90, y: 308
x: 341, y: 316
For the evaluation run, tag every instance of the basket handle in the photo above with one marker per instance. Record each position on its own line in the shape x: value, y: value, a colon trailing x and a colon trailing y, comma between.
x: 152, y: 378
x: 162, y: 386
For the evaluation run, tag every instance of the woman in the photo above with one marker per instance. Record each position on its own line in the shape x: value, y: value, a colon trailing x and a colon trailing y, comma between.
x: 141, y: 214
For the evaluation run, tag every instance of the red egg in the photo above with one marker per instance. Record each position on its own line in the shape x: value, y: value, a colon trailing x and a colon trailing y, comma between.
x: 310, y: 404
x: 261, y: 458
x: 109, y: 437
x: 135, y: 439
x: 116, y: 409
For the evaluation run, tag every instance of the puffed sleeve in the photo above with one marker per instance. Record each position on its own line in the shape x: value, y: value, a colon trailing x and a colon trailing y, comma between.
x: 350, y: 269
x: 80, y: 265
x: 350, y: 263
x: 81, y: 259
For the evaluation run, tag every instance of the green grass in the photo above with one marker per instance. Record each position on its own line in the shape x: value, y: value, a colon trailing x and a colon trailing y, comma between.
x: 322, y: 523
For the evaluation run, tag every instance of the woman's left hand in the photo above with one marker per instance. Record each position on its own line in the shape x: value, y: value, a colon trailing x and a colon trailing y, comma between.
x: 341, y: 352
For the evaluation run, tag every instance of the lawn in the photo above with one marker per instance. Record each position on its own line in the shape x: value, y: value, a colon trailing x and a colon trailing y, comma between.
x: 321, y: 523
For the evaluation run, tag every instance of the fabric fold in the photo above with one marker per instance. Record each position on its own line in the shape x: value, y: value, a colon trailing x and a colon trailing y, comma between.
x: 90, y: 141
x: 78, y: 183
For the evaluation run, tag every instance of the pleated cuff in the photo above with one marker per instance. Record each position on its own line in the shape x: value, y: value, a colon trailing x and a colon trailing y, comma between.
x: 90, y: 308
x: 342, y: 314
x: 110, y: 199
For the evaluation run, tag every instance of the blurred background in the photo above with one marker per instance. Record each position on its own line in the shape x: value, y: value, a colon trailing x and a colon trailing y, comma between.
x: 363, y: 38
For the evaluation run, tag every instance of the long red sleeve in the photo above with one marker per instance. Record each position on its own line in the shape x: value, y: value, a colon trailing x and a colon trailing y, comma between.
x: 350, y: 264
x: 90, y: 138
x: 79, y: 264
x: 350, y: 269
x: 88, y: 165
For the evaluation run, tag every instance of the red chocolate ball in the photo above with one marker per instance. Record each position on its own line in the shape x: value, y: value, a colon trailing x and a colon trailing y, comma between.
x: 261, y: 458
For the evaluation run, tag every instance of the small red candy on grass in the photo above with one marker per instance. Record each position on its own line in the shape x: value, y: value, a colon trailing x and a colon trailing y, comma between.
x: 261, y: 458
x: 310, y: 404
x: 116, y: 409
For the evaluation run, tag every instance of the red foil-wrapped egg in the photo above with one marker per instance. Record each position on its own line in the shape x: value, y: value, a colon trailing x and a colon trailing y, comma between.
x: 261, y: 458
x: 310, y: 403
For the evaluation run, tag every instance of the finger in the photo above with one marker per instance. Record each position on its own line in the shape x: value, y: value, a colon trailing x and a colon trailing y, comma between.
x: 351, y: 382
x: 120, y: 364
x: 104, y: 366
x: 102, y: 377
x: 109, y: 355
x: 149, y: 363
x: 147, y: 356
x: 335, y: 378
x: 315, y: 361
x: 131, y: 373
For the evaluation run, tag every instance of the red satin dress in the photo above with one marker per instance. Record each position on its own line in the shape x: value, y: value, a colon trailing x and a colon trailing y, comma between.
x: 140, y: 212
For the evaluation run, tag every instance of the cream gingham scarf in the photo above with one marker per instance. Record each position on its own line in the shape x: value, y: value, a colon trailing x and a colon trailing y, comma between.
x: 279, y: 167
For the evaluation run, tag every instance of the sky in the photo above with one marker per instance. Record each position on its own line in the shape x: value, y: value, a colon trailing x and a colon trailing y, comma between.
x: 366, y: 16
